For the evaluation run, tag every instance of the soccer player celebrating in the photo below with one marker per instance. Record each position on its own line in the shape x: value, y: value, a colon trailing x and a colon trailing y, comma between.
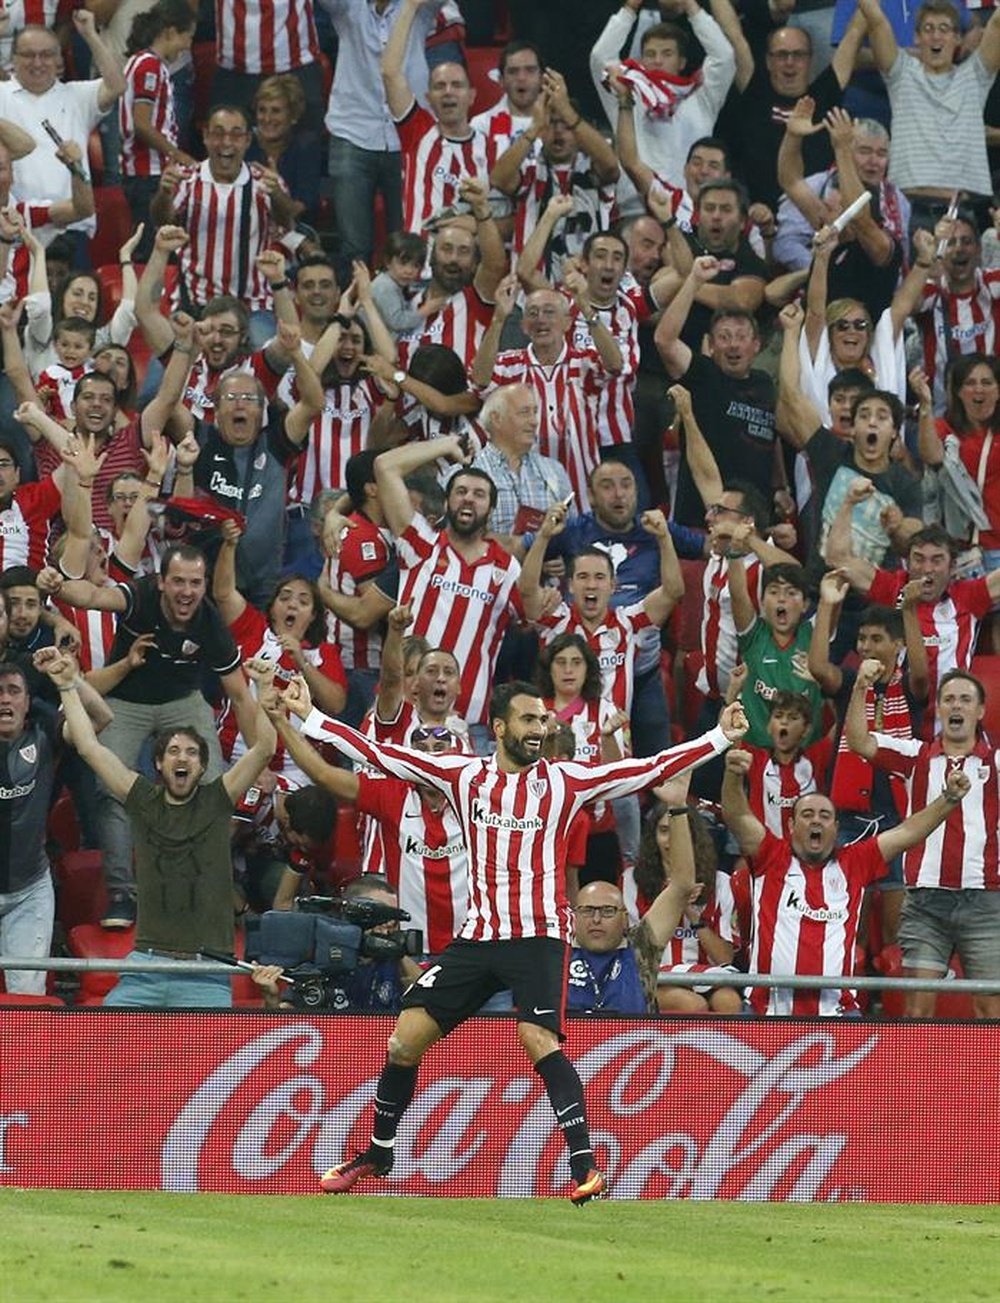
x: 515, y: 809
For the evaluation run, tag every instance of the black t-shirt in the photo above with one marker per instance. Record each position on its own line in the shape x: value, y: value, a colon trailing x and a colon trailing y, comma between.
x: 744, y: 263
x: 737, y: 420
x: 831, y: 465
x: 27, y: 772
x: 754, y: 124
x: 175, y: 662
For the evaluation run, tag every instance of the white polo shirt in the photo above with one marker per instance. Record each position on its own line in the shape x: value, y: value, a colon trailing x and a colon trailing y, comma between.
x: 72, y: 108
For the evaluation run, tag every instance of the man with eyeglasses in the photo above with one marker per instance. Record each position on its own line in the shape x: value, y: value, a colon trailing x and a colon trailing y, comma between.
x: 753, y: 120
x: 230, y: 211
x: 614, y: 965
x: 939, y: 138
x: 34, y: 95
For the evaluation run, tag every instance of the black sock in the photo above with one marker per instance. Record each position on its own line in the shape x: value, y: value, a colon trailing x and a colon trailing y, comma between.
x: 392, y: 1098
x: 565, y: 1092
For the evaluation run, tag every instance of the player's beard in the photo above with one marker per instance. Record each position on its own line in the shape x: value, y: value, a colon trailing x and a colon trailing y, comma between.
x: 518, y: 752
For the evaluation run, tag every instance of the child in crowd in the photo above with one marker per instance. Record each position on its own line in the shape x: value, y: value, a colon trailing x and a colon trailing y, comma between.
x: 786, y: 769
x: 396, y: 288
x: 774, y: 644
x: 73, y: 342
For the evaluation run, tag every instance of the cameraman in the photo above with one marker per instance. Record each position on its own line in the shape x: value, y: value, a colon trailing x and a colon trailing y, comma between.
x: 373, y: 986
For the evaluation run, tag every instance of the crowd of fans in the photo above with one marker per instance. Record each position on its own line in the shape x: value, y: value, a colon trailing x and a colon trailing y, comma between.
x: 403, y: 396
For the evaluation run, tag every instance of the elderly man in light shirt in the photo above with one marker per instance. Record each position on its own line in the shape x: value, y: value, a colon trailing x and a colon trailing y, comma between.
x: 527, y: 483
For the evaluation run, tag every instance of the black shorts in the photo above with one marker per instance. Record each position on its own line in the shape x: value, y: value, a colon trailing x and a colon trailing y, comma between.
x: 469, y: 972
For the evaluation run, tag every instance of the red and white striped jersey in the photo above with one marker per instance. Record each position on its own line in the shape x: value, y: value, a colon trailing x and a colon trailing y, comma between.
x: 460, y: 606
x: 613, y: 643
x: 364, y: 553
x: 886, y: 711
x: 121, y: 453
x: 337, y: 434
x: 951, y: 324
x: 25, y: 525
x: 147, y: 81
x: 221, y: 252
x: 684, y: 949
x: 805, y: 922
x: 950, y: 626
x: 540, y: 181
x: 588, y: 720
x: 199, y: 393
x: 460, y: 325
x: 97, y: 634
x: 516, y: 825
x: 613, y: 401
x: 963, y: 852
x: 502, y: 128
x: 718, y: 628
x: 434, y: 164
x: 566, y: 393
x: 265, y: 36
x: 255, y: 637
x: 773, y: 788
x: 424, y: 857
x: 55, y: 385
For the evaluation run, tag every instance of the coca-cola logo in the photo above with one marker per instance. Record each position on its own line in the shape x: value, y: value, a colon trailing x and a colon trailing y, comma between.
x: 269, y: 1103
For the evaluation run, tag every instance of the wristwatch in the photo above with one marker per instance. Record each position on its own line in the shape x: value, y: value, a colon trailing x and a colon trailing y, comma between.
x: 398, y: 377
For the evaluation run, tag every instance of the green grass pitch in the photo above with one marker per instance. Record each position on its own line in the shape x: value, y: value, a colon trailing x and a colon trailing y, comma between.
x: 158, y: 1248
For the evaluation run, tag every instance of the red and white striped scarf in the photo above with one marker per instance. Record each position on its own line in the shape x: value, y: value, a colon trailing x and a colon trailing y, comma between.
x: 660, y: 93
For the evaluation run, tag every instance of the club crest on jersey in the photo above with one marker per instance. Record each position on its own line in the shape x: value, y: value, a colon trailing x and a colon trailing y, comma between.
x: 29, y: 754
x: 538, y: 786
x: 188, y: 648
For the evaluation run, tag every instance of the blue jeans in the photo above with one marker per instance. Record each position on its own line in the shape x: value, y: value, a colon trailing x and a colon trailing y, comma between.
x: 164, y: 991
x: 355, y: 177
x: 26, y: 919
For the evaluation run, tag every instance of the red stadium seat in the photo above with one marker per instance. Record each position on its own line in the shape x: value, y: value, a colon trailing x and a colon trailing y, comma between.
x: 114, y: 224
x: 91, y: 941
x: 987, y: 670
x: 63, y: 825
x: 110, y: 276
x: 481, y: 61
x: 80, y: 894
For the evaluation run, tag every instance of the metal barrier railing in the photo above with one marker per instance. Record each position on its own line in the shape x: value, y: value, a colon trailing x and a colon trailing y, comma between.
x: 203, y: 967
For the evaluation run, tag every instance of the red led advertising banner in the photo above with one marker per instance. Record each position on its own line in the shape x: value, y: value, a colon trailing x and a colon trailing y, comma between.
x: 700, y: 1108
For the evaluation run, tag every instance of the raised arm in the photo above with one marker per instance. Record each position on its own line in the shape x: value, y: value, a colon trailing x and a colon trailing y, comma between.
x: 608, y: 349
x: 989, y: 46
x: 393, y: 466
x: 342, y: 783
x: 104, y: 61
x: 81, y: 465
x: 825, y: 242
x: 383, y: 340
x: 639, y: 173
x: 880, y: 34
x: 699, y: 456
x: 929, y: 446
x: 115, y: 775
x: 791, y: 172
x: 675, y: 353
x: 506, y: 173
x: 398, y: 92
x: 165, y: 407
x: 149, y: 292
x: 390, y: 684
x: 662, y: 600
x: 832, y: 591
x: 237, y: 779
x: 917, y: 661
x: 311, y: 397
x: 475, y: 191
x: 481, y: 371
x: 226, y: 596
x: 739, y: 595
x: 529, y: 581
x: 531, y: 256
x: 15, y: 367
x: 796, y: 417
x: 81, y: 592
x: 856, y: 733
x: 739, y: 818
x: 667, y: 910
x: 906, y: 300
x: 874, y: 239
x: 919, y: 826
x: 603, y: 160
